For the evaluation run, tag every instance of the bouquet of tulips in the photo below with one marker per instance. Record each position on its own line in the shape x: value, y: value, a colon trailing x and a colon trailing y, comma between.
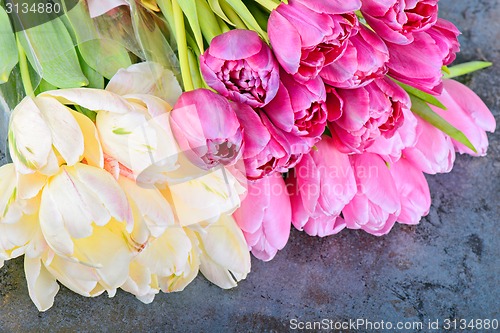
x: 151, y: 140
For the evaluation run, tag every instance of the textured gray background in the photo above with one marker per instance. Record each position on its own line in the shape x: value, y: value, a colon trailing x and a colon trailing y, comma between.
x: 447, y: 267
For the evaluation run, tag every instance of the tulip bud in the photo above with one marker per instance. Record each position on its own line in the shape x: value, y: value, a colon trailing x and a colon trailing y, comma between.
x: 308, y: 35
x: 206, y: 128
x: 363, y: 61
x: 397, y: 20
x: 320, y: 186
x: 264, y: 216
x: 224, y: 257
x: 377, y: 204
x: 85, y: 216
x: 241, y: 67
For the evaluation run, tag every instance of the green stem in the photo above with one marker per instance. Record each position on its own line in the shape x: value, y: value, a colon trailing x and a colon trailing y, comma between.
x: 180, y: 34
x: 25, y: 72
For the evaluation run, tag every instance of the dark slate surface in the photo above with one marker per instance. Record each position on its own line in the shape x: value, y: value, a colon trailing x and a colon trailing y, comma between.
x: 446, y: 267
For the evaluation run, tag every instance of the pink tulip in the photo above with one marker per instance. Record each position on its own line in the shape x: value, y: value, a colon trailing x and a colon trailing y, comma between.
x: 264, y: 216
x: 241, y: 67
x: 433, y: 152
x: 299, y: 110
x: 397, y: 20
x: 263, y: 154
x: 363, y: 61
x: 418, y: 63
x: 445, y: 34
x: 307, y: 35
x: 467, y: 112
x: 320, y: 186
x: 206, y: 128
x: 413, y: 191
x: 376, y: 206
x: 364, y: 114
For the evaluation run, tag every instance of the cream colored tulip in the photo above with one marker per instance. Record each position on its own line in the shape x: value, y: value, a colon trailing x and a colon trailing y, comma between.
x: 168, y: 263
x: 43, y: 268
x: 224, y: 258
x: 85, y: 216
x: 152, y: 213
x: 40, y: 127
x: 205, y: 196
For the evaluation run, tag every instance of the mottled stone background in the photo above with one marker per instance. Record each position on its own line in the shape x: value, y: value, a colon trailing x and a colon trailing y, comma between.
x: 447, y: 267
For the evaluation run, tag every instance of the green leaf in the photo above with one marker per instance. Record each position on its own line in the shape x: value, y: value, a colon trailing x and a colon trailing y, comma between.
x: 420, y: 94
x: 104, y: 56
x: 9, y: 57
x: 217, y: 9
x: 51, y: 53
x: 96, y: 80
x: 466, y: 68
x: 189, y: 9
x: 44, y: 86
x: 92, y: 115
x: 423, y: 110
x: 208, y: 21
x: 243, y: 12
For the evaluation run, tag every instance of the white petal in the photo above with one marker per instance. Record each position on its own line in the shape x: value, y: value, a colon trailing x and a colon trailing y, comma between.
x: 146, y: 78
x: 92, y: 152
x: 75, y: 276
x: 92, y: 99
x: 106, y: 189
x: 153, y: 208
x: 168, y: 254
x: 224, y: 250
x: 10, y: 207
x: 205, y: 198
x: 107, y: 250
x: 140, y: 283
x: 30, y: 185
x: 42, y: 286
x: 30, y: 139
x: 15, y: 237
x: 67, y: 136
x: 52, y: 225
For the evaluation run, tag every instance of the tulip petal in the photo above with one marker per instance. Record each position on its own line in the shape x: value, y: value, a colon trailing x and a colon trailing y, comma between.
x: 67, y: 136
x: 287, y: 47
x: 92, y: 99
x: 224, y: 252
x: 146, y: 78
x: 152, y: 207
x: 80, y: 279
x: 92, y: 146
x: 42, y: 286
x: 471, y: 103
x: 107, y: 250
x: 30, y: 138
